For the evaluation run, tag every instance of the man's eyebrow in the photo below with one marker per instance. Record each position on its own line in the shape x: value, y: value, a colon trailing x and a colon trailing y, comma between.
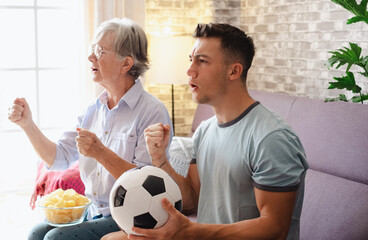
x: 199, y: 56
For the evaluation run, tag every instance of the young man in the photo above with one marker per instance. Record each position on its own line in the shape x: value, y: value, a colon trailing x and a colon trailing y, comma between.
x: 246, y: 180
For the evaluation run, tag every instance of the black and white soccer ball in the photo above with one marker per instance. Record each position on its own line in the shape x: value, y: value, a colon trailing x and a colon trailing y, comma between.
x: 135, y: 198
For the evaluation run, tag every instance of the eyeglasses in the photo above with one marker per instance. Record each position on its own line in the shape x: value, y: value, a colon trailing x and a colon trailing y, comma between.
x: 97, y: 50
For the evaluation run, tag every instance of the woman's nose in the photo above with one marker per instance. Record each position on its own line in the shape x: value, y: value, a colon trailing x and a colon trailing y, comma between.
x: 92, y: 57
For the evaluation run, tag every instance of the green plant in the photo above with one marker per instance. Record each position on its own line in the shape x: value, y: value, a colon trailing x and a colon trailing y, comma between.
x: 350, y: 55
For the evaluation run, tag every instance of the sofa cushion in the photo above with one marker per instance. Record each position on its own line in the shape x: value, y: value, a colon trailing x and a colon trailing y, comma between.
x: 202, y: 113
x: 333, y: 208
x: 278, y: 102
x: 334, y: 135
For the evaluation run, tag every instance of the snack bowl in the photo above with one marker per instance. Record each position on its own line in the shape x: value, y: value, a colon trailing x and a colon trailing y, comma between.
x: 63, y: 216
x: 63, y: 208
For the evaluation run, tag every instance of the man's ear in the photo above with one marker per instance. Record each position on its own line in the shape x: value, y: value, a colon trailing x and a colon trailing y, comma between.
x: 127, y: 63
x: 235, y: 70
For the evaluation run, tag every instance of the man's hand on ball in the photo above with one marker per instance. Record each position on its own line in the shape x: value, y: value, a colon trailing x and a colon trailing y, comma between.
x: 175, y: 227
x: 157, y: 138
x: 88, y: 143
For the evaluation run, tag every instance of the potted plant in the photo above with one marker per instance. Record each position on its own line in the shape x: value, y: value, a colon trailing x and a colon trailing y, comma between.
x: 350, y: 56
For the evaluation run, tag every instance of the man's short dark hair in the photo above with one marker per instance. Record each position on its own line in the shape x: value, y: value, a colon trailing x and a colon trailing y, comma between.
x: 237, y: 46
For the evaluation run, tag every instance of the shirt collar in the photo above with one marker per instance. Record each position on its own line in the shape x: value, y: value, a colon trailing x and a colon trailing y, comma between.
x: 130, y: 98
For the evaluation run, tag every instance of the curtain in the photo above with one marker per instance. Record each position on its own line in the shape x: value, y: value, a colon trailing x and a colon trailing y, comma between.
x: 98, y: 11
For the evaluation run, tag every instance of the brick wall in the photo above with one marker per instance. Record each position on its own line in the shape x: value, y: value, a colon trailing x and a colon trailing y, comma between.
x: 292, y: 38
x: 184, y: 107
x: 180, y: 15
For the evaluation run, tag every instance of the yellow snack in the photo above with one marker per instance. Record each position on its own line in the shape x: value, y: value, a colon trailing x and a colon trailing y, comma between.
x: 63, y: 199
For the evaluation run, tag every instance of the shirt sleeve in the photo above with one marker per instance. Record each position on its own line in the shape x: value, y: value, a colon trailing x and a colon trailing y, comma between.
x: 196, y: 139
x: 278, y: 162
x: 66, y: 150
x: 198, y: 135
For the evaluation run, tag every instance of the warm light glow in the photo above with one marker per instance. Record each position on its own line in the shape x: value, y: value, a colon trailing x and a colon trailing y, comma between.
x: 166, y: 31
x: 169, y: 58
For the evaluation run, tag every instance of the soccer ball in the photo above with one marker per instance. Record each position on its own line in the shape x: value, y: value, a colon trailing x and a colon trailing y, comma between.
x: 135, y: 198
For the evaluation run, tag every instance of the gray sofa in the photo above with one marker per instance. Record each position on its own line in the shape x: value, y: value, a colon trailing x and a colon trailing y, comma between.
x: 335, y: 138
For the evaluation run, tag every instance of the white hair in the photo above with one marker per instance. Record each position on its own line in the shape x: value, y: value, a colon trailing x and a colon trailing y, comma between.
x: 130, y: 40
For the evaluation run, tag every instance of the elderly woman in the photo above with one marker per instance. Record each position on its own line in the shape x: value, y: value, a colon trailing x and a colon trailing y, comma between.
x: 109, y: 138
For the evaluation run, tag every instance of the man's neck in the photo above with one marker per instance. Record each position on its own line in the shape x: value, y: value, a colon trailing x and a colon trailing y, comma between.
x: 232, y: 106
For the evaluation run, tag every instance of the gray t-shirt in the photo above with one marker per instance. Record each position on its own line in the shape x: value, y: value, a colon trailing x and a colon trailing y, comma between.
x: 257, y: 149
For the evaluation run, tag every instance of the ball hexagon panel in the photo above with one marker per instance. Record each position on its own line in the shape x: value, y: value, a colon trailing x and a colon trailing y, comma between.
x: 132, y: 179
x: 137, y: 201
x: 158, y: 212
x: 150, y: 170
x: 173, y: 190
x: 123, y: 217
x: 160, y: 223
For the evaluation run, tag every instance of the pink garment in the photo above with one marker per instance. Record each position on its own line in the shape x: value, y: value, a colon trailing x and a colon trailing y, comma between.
x: 48, y: 181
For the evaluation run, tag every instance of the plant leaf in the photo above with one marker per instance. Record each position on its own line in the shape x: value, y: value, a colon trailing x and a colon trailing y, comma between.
x: 341, y: 97
x: 364, y: 74
x: 345, y: 55
x: 358, y: 10
x: 345, y: 82
x: 359, y: 98
x: 355, y: 19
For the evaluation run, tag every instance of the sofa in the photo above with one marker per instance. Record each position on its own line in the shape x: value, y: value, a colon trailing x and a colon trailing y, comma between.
x: 335, y: 139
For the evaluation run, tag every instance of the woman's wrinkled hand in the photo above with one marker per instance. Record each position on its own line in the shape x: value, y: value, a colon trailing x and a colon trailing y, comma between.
x: 88, y: 143
x: 20, y: 113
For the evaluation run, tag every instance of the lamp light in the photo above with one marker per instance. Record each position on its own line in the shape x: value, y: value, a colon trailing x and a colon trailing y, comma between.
x: 169, y: 56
